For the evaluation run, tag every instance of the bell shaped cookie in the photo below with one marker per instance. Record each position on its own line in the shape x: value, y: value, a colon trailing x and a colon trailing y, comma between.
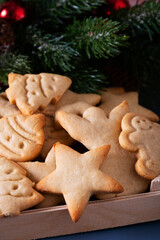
x: 142, y: 136
x: 33, y: 92
x: 16, y: 190
x: 21, y: 138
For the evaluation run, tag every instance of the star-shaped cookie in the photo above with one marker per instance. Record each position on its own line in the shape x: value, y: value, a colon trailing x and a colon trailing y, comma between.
x: 33, y: 92
x: 95, y: 129
x: 38, y: 170
x: 77, y: 177
x: 142, y: 136
x: 110, y: 100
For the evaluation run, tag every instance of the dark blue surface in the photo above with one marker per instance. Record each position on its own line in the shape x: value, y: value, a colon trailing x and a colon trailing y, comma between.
x: 143, y: 231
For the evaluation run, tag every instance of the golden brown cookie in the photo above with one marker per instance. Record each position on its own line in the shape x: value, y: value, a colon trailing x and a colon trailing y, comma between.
x: 110, y: 99
x: 52, y: 136
x: 16, y: 190
x: 6, y: 108
x: 38, y: 170
x: 70, y: 97
x: 77, y: 177
x: 21, y: 138
x: 95, y: 129
x: 33, y: 92
x: 142, y: 136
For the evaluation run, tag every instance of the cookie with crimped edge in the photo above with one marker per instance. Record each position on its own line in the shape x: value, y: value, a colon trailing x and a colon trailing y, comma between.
x: 37, y: 170
x: 21, y: 137
x: 6, y: 108
x: 70, y: 97
x: 16, y: 190
x: 142, y: 136
x: 33, y: 92
x: 52, y: 135
x: 77, y: 177
x: 111, y: 98
x: 95, y: 129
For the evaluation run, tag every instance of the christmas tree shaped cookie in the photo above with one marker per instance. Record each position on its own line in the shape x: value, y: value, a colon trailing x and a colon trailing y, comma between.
x: 21, y: 138
x: 142, y: 136
x: 16, y: 190
x: 95, y: 129
x: 77, y: 177
x: 33, y: 92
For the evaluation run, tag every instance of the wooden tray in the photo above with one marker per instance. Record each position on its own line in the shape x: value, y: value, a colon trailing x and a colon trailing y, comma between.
x: 100, y: 214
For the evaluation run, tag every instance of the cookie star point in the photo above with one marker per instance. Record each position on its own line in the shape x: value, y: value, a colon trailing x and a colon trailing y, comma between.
x: 77, y: 178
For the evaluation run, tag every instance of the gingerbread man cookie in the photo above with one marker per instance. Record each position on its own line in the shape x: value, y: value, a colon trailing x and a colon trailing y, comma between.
x: 142, y: 136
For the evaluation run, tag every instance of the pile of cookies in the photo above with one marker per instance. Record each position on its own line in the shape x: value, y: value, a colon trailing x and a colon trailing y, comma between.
x: 39, y: 166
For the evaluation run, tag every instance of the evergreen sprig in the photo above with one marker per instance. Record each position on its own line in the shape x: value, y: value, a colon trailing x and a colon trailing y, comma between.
x: 97, y: 37
x: 142, y: 19
x: 13, y: 62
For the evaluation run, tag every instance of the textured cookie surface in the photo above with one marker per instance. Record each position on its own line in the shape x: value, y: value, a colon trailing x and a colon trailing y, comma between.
x: 77, y: 177
x: 52, y: 136
x: 6, y: 108
x: 38, y: 170
x: 21, y: 138
x: 70, y: 97
x: 142, y: 136
x: 111, y: 99
x: 95, y: 129
x: 16, y: 190
x: 33, y: 92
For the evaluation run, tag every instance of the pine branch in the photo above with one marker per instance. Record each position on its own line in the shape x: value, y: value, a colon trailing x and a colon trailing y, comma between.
x: 11, y: 62
x: 87, y: 79
x: 53, y: 52
x: 97, y: 37
x: 142, y: 19
x: 61, y: 9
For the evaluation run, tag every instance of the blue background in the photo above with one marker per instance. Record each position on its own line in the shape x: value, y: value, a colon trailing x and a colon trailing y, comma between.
x: 142, y: 231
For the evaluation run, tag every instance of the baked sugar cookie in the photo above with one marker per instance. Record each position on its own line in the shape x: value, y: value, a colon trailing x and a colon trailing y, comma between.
x: 16, y: 190
x: 142, y: 136
x: 6, y: 108
x: 71, y: 97
x: 38, y: 170
x: 95, y: 129
x: 111, y: 99
x: 21, y: 138
x: 77, y: 177
x: 33, y: 92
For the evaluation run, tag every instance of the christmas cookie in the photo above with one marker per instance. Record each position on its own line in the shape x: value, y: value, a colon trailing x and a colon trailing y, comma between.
x: 53, y: 135
x: 77, y: 177
x: 21, y: 138
x: 38, y: 170
x: 111, y: 99
x: 142, y: 136
x: 16, y: 190
x: 95, y: 129
x: 33, y: 92
x: 70, y: 97
x: 77, y: 108
x: 6, y: 108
